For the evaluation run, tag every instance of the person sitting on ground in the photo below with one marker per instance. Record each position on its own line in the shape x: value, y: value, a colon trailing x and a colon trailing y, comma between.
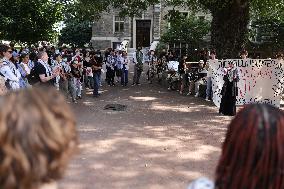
x: 37, y: 136
x: 252, y: 153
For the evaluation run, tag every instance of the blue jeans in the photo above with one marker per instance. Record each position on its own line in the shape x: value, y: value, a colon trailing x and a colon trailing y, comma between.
x: 124, y: 77
x: 209, y: 88
x: 96, y: 83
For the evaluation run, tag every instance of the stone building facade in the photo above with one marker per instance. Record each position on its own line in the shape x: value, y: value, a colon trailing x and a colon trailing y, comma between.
x: 111, y: 30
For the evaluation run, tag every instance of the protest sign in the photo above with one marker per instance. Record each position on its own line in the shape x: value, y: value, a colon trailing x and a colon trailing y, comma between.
x: 261, y: 81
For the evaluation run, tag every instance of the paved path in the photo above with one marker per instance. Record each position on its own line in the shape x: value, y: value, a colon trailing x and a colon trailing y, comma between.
x: 162, y: 141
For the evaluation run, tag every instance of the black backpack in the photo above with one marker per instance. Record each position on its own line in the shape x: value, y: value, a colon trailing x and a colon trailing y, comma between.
x: 33, y: 77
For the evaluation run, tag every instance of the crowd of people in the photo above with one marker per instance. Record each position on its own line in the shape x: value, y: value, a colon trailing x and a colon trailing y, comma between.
x: 72, y: 71
x: 35, y: 149
x: 67, y: 70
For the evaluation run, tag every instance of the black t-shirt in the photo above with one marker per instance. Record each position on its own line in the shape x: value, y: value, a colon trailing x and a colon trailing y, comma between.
x: 40, y: 70
x: 86, y: 64
x: 75, y: 72
x: 99, y: 59
x: 97, y: 64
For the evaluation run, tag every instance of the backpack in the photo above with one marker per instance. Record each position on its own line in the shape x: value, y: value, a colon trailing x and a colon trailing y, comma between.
x: 33, y: 77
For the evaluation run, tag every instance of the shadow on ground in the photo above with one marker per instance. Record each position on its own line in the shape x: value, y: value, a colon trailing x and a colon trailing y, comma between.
x: 163, y: 140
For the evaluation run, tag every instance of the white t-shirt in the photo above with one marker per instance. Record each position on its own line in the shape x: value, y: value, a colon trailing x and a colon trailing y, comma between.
x: 125, y: 63
x: 210, y: 70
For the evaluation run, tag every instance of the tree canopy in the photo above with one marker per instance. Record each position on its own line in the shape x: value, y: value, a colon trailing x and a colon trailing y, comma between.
x: 28, y: 21
x: 76, y: 33
x: 229, y: 31
x: 32, y: 21
x: 189, y: 30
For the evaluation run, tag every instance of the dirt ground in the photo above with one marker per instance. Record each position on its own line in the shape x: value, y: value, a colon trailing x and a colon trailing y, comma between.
x: 162, y: 140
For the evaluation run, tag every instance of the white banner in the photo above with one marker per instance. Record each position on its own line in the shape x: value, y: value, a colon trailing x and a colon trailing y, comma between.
x: 261, y: 81
x: 173, y: 65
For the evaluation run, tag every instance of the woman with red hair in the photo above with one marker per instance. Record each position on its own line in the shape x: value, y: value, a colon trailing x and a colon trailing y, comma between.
x: 253, y: 152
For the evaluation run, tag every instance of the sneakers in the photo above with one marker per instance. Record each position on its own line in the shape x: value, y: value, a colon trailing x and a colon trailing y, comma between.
x: 207, y: 99
x: 196, y: 95
x: 188, y: 94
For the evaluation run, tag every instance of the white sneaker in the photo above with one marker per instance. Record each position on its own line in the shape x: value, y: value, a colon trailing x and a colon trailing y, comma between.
x: 188, y: 94
x: 196, y: 95
x: 207, y: 99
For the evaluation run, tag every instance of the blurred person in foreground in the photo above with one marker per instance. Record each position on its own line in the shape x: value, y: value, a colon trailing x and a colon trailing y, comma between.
x: 37, y: 138
x: 252, y: 153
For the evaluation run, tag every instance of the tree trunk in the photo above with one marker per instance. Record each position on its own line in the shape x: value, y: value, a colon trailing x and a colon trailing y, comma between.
x: 230, y: 28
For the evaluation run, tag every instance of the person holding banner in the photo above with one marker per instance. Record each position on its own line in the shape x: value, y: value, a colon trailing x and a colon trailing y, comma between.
x: 229, y: 91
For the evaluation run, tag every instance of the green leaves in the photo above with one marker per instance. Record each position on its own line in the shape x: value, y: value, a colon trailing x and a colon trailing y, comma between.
x: 190, y: 30
x: 28, y: 21
x: 76, y: 33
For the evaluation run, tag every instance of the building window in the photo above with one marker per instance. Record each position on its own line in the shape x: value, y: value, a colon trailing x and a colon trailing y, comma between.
x: 118, y: 24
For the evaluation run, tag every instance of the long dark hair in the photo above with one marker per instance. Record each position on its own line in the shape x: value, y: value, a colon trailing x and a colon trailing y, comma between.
x: 253, y: 151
